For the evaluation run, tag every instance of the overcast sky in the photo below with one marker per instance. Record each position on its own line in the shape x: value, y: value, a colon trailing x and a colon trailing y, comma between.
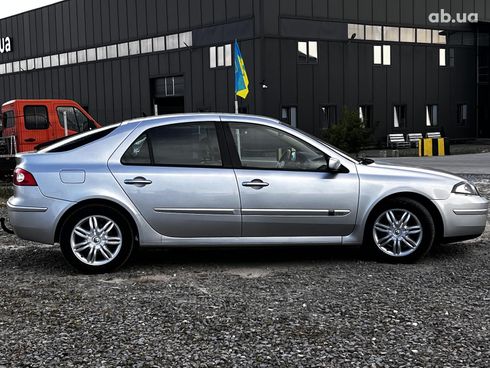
x: 11, y: 7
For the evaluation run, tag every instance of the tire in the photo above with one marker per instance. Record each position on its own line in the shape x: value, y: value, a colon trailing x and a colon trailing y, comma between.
x: 397, y: 239
x: 92, y: 246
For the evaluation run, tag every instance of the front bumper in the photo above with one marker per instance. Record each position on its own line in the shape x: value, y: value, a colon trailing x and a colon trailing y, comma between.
x: 33, y: 216
x: 464, y: 216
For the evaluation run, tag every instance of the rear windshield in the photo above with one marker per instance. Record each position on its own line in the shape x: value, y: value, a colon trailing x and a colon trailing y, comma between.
x: 79, y: 140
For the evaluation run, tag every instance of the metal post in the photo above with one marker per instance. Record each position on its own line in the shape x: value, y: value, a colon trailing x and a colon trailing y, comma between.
x: 65, y: 123
x: 236, y: 104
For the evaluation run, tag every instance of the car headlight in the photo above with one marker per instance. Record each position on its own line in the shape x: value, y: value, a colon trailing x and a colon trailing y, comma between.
x: 466, y: 188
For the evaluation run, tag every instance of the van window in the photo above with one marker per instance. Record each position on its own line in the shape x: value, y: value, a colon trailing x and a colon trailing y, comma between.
x: 76, y: 120
x: 8, y: 120
x: 36, y: 117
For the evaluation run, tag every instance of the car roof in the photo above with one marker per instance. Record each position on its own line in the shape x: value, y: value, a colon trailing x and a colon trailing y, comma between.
x: 204, y: 117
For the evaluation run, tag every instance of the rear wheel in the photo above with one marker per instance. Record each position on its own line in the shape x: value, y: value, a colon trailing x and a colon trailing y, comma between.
x: 400, y: 230
x: 96, y: 239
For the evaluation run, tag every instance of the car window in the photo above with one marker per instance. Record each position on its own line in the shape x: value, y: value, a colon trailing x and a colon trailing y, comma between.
x: 263, y: 147
x: 75, y: 119
x: 191, y: 144
x: 36, y: 117
x: 138, y: 153
x: 75, y: 141
x: 8, y: 120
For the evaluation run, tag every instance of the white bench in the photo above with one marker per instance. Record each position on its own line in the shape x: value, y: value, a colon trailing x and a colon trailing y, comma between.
x: 396, y: 140
x: 433, y: 135
x: 413, y: 138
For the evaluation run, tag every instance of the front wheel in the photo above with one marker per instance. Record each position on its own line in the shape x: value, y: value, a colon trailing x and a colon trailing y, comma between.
x: 400, y: 230
x: 96, y: 239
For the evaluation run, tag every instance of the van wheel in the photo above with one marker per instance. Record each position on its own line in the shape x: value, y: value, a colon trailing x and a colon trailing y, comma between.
x: 400, y: 230
x: 96, y: 239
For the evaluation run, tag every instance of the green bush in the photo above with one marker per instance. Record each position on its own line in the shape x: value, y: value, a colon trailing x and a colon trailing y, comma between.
x: 349, y: 134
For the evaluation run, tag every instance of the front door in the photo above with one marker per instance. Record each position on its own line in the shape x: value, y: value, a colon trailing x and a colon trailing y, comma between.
x: 175, y: 176
x: 285, y: 189
x: 35, y: 127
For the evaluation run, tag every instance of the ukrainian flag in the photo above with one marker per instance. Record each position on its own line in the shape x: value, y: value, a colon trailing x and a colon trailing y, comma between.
x: 241, y: 78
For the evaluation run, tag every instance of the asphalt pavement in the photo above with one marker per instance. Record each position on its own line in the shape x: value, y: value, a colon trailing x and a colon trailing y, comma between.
x: 459, y: 164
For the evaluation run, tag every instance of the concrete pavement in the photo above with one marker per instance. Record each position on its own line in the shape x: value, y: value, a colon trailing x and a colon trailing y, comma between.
x: 478, y: 163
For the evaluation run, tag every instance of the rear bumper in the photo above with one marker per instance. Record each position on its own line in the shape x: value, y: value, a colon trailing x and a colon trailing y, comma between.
x: 35, y: 219
x: 464, y: 217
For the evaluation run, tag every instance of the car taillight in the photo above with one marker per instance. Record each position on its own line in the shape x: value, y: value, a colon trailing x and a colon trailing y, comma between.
x: 24, y: 178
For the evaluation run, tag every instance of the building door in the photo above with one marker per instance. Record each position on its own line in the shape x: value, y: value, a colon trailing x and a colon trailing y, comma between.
x: 168, y: 95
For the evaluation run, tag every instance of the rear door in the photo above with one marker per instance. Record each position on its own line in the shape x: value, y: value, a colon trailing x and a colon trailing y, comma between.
x: 33, y: 127
x: 180, y: 179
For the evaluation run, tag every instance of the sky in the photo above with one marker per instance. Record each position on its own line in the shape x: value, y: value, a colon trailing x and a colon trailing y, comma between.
x: 8, y: 7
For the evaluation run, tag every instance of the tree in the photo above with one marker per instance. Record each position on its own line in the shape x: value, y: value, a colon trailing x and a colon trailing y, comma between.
x: 349, y: 134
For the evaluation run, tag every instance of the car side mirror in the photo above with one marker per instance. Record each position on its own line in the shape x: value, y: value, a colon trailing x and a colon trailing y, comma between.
x: 333, y: 164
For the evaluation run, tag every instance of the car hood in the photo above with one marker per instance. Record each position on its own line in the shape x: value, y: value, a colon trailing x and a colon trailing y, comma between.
x: 395, y: 178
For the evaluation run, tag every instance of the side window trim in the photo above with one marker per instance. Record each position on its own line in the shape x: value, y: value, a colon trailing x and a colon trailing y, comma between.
x: 237, y: 164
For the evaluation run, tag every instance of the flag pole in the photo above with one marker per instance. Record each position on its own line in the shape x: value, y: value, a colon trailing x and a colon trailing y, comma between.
x: 236, y: 104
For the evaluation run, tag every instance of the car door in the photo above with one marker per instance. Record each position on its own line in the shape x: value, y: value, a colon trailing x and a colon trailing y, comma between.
x: 34, y: 127
x: 285, y: 187
x: 178, y: 177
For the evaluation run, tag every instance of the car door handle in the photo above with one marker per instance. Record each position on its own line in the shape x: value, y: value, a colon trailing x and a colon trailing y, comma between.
x: 138, y: 181
x: 256, y: 183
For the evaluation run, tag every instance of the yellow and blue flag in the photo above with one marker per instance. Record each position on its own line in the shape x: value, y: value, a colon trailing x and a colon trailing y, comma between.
x: 241, y: 78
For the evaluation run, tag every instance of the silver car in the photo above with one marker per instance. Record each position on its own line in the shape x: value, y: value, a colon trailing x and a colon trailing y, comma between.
x: 220, y: 179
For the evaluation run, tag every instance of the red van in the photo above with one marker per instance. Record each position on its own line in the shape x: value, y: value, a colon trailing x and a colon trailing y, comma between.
x: 28, y: 123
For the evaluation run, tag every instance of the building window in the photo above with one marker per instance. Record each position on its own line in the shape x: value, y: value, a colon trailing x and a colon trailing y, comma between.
x: 112, y: 51
x: 55, y: 61
x: 366, y: 115
x: 431, y: 115
x: 289, y: 115
x: 424, y: 35
x: 146, y: 46
x: 91, y: 55
x: 172, y: 42
x: 462, y: 114
x: 123, y: 49
x: 72, y: 57
x: 158, y: 44
x: 46, y: 62
x: 101, y: 53
x: 307, y: 52
x: 328, y: 116
x: 355, y: 31
x: 399, y: 116
x: 185, y: 39
x: 23, y: 65
x: 16, y: 66
x: 438, y: 37
x: 391, y: 34
x: 30, y: 64
x: 374, y: 33
x: 220, y: 56
x: 442, y: 57
x: 382, y: 55
x: 134, y: 48
x: 2, y: 68
x: 407, y: 34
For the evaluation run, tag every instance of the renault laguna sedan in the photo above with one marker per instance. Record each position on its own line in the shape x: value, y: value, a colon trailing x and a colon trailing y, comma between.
x: 222, y: 180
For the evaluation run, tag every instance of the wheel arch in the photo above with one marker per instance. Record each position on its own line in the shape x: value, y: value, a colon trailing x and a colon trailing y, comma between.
x: 423, y: 200
x: 94, y: 202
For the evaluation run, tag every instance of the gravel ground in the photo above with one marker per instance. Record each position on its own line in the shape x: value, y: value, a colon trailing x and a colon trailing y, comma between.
x: 247, y: 308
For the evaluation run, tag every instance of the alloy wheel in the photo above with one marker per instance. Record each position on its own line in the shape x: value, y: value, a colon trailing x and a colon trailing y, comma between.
x: 96, y: 240
x: 397, y: 232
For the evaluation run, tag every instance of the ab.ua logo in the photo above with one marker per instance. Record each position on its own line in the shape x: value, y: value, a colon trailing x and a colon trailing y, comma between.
x: 443, y: 17
x: 5, y: 45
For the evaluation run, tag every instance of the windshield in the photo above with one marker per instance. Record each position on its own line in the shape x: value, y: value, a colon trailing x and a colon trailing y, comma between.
x: 79, y: 140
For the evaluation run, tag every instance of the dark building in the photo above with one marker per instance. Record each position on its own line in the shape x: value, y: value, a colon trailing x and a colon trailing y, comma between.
x: 306, y: 60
